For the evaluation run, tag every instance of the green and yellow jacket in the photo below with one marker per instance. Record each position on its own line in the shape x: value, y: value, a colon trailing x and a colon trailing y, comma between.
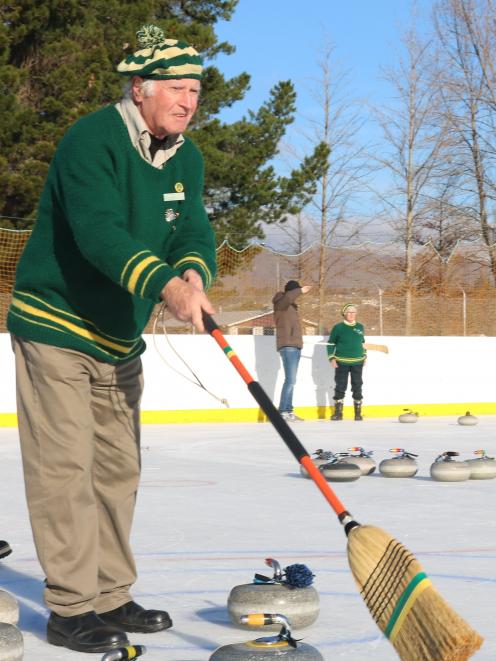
x: 112, y: 230
x: 346, y: 343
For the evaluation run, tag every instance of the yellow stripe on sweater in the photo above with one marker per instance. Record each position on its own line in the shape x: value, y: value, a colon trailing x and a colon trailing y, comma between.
x: 200, y: 262
x: 138, y: 270
x: 143, y: 287
x: 72, y: 316
x: 82, y: 332
x: 126, y: 266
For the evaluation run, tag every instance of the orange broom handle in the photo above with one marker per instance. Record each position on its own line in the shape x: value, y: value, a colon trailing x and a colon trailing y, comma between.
x: 282, y: 427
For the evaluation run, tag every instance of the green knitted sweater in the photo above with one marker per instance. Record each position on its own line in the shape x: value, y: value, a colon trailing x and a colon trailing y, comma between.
x: 346, y: 343
x: 112, y: 230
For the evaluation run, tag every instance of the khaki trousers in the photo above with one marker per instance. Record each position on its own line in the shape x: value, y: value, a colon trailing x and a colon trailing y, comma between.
x: 80, y: 437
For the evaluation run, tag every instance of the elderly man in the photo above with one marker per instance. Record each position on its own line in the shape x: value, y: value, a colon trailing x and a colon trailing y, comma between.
x: 121, y: 227
x: 346, y: 351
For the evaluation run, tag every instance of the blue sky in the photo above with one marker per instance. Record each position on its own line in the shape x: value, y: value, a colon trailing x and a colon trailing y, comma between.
x: 279, y: 39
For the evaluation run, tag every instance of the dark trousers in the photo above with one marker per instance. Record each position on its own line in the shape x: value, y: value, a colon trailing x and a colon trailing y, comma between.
x: 341, y: 380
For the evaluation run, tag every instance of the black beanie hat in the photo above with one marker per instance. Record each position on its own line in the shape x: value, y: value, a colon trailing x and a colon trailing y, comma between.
x: 292, y: 284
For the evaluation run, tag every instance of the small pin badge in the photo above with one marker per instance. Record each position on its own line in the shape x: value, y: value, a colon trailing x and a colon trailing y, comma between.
x: 170, y: 215
x: 179, y: 187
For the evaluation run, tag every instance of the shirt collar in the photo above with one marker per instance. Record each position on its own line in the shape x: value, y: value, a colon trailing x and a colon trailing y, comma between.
x: 140, y: 134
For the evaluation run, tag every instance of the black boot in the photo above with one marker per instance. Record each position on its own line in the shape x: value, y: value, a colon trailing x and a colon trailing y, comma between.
x: 84, y: 633
x: 338, y: 410
x: 357, y: 403
x: 133, y: 617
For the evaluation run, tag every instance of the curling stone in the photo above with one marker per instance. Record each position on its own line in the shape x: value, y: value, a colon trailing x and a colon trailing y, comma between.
x: 319, y: 458
x: 408, y: 416
x: 404, y: 464
x: 290, y: 592
x: 467, y: 420
x: 9, y: 608
x: 11, y: 642
x: 282, y: 646
x: 446, y: 469
x: 482, y: 468
x: 363, y: 460
x: 340, y: 470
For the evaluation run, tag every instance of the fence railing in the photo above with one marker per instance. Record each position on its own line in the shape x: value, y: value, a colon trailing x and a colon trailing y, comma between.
x: 446, y: 297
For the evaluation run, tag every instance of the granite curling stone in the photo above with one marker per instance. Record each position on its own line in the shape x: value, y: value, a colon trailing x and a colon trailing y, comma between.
x: 340, y: 470
x: 282, y: 646
x: 408, y: 416
x: 319, y: 458
x: 11, y: 642
x: 362, y: 458
x: 289, y: 592
x: 9, y: 608
x: 403, y: 464
x: 467, y: 420
x: 446, y: 469
x: 482, y: 468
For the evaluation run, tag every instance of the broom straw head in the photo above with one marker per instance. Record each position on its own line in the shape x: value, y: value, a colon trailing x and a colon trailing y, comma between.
x: 404, y: 603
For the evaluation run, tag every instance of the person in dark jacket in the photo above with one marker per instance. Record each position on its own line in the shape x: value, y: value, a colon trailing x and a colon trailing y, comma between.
x: 289, y: 342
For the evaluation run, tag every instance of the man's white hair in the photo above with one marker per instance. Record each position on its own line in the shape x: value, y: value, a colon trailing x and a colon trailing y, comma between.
x: 147, y: 87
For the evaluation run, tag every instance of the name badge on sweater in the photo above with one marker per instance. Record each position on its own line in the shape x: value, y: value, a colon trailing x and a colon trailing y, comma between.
x: 169, y: 197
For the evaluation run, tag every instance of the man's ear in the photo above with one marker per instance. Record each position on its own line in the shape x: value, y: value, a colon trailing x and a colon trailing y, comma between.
x: 136, y: 88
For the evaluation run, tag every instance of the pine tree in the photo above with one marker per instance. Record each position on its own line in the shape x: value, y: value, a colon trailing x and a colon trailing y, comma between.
x: 57, y: 63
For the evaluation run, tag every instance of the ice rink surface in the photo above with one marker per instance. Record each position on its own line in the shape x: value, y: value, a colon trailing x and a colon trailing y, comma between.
x: 217, y: 499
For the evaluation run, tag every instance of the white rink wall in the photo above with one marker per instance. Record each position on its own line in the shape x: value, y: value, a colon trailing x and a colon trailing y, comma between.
x: 417, y: 370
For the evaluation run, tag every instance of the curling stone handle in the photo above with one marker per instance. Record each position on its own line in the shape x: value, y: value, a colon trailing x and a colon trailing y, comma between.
x: 270, y: 562
x: 124, y: 653
x: 264, y: 619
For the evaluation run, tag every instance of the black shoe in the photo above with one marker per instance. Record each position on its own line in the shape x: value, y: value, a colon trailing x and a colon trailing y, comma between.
x: 84, y: 633
x: 5, y: 549
x: 133, y: 617
x: 357, y: 403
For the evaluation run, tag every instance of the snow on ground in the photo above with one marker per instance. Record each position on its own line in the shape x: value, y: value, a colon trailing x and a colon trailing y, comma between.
x: 217, y: 499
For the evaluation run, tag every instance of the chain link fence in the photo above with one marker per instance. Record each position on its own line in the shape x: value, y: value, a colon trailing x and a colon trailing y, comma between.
x: 452, y: 296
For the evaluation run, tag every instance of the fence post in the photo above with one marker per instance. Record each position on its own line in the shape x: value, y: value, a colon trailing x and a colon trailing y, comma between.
x: 464, y: 311
x: 381, y: 327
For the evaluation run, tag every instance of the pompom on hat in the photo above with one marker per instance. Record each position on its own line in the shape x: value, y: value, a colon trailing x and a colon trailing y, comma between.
x: 159, y: 58
x: 346, y: 307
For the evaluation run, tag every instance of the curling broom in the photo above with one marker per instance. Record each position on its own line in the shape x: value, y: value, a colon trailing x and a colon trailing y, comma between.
x: 367, y: 345
x: 400, y: 597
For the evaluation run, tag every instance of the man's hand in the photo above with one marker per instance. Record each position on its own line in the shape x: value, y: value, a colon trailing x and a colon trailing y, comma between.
x: 186, y: 300
x: 334, y: 363
x: 305, y: 289
x: 193, y: 278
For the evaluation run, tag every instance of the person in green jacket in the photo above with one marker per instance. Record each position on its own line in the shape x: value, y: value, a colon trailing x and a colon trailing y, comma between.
x: 346, y: 351
x: 121, y: 227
